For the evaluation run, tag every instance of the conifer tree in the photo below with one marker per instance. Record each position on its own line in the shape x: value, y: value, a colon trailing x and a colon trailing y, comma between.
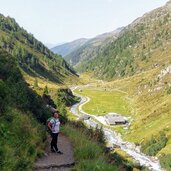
x: 46, y: 91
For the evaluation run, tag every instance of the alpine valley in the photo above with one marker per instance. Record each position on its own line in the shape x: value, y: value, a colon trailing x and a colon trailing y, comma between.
x: 136, y: 60
x: 126, y: 72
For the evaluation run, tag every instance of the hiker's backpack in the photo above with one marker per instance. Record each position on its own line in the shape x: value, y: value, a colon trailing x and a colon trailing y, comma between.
x: 47, y: 122
x: 49, y: 119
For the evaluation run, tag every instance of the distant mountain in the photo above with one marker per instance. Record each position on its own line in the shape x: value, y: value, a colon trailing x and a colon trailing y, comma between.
x: 104, y: 36
x: 32, y: 56
x: 142, y: 45
x: 91, y: 47
x: 66, y: 48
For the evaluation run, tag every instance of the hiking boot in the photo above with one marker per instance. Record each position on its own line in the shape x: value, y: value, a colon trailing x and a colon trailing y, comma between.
x: 53, y: 151
x: 59, y: 152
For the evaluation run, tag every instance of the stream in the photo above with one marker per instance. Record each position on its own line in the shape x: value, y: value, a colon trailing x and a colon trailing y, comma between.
x: 114, y: 138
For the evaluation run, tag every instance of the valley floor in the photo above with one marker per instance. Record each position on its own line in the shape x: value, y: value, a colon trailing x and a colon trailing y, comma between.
x: 113, y: 138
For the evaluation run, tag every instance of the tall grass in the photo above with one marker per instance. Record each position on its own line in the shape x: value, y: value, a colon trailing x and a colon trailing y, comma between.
x: 21, y: 141
x: 88, y: 153
x: 166, y: 162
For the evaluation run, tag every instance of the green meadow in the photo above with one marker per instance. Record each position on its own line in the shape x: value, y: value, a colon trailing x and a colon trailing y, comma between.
x: 102, y: 102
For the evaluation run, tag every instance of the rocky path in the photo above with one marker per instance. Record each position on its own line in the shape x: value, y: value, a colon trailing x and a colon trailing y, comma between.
x: 57, y: 162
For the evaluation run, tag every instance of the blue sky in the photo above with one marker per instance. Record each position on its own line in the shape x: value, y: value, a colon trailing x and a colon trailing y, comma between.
x: 56, y: 21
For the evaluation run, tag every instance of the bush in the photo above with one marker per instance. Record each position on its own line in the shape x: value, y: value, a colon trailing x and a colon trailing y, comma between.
x: 165, y: 162
x: 63, y: 98
x: 155, y: 144
x: 95, y: 134
x: 169, y: 90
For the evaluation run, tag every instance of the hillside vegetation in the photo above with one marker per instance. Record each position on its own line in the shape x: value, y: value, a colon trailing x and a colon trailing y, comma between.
x: 86, y: 49
x: 21, y: 111
x: 142, y: 45
x: 32, y: 56
x: 88, y: 149
x: 138, y: 62
x: 150, y: 101
x: 146, y: 102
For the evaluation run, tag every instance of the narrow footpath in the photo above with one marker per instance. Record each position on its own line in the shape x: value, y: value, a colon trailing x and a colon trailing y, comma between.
x: 54, y: 161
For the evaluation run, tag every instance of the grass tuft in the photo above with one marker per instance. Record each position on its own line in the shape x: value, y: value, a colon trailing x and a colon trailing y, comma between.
x: 88, y: 153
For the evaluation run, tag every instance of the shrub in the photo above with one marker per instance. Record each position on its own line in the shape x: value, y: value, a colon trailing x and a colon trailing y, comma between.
x: 166, y: 162
x: 155, y: 144
x: 169, y: 90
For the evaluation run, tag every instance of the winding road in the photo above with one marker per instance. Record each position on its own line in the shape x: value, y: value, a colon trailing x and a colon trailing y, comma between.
x: 114, y: 138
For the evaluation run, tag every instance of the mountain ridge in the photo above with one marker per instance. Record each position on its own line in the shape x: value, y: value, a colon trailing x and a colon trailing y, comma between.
x: 91, y: 47
x: 137, y: 43
x: 66, y: 48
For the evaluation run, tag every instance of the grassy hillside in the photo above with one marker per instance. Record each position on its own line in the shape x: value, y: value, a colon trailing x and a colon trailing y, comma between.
x: 150, y: 100
x: 142, y: 45
x: 147, y: 100
x: 33, y: 57
x: 22, y: 136
x: 88, y: 151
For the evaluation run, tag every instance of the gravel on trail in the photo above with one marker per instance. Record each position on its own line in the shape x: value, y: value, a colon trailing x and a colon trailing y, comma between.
x: 54, y: 161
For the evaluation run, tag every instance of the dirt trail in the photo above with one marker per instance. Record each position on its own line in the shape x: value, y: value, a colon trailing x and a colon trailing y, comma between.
x: 54, y: 161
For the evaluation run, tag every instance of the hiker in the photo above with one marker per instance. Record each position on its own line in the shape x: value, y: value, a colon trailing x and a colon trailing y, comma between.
x: 53, y: 125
